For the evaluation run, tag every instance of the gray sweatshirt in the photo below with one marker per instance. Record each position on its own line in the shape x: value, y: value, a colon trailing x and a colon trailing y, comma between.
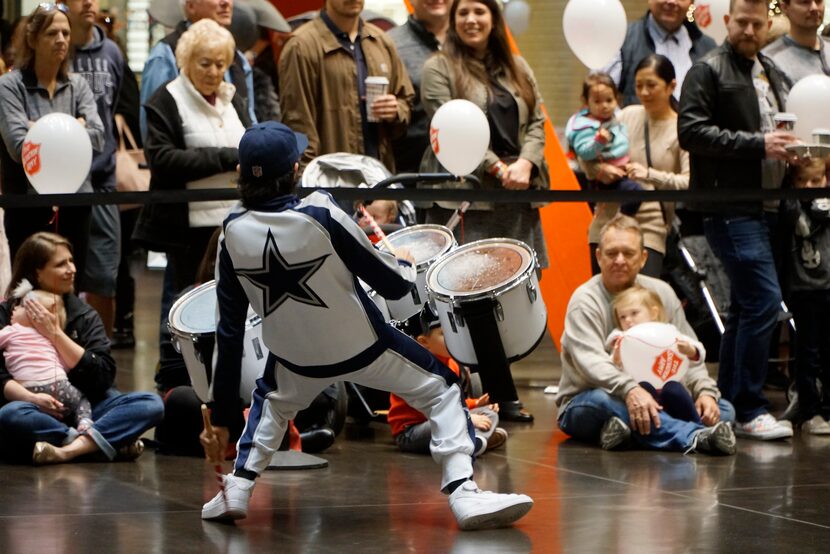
x: 585, y: 362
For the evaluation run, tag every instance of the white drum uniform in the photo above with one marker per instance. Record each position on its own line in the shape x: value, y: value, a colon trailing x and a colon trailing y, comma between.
x: 298, y: 262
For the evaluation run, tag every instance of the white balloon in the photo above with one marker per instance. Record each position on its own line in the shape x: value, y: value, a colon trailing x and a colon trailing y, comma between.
x: 709, y: 18
x: 649, y: 353
x: 57, y: 154
x: 594, y: 30
x: 809, y: 100
x: 517, y: 16
x: 459, y: 135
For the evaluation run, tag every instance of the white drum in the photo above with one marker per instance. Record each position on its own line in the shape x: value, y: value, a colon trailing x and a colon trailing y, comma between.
x: 426, y: 243
x: 377, y: 299
x: 502, y: 270
x: 192, y: 324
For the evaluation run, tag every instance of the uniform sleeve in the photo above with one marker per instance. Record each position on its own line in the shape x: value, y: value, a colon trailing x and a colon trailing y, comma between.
x: 390, y: 277
x: 232, y: 308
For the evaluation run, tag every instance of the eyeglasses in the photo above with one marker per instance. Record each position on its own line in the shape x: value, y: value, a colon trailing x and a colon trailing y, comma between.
x: 49, y: 6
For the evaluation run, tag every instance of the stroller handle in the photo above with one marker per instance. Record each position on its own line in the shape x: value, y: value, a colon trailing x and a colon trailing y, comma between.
x: 412, y: 178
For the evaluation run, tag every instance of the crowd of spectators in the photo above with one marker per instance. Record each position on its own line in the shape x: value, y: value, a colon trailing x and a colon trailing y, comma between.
x: 198, y: 96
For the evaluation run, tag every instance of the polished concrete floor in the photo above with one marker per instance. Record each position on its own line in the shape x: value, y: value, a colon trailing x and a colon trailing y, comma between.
x: 770, y: 497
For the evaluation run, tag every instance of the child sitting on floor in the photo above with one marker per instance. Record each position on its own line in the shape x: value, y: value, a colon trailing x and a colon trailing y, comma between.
x: 637, y: 305
x: 33, y: 361
x: 410, y: 428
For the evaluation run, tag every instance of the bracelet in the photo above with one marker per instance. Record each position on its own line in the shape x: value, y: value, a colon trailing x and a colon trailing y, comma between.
x: 498, y: 170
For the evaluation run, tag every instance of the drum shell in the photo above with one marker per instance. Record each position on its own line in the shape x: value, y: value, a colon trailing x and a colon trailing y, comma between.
x: 518, y: 308
x: 413, y: 302
x: 377, y: 300
x: 197, y: 347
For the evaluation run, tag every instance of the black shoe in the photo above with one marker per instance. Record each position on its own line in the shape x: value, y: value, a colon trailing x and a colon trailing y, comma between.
x: 514, y: 411
x: 316, y: 440
x: 122, y: 339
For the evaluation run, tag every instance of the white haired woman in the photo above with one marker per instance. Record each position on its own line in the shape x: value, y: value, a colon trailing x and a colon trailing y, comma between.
x: 194, y: 124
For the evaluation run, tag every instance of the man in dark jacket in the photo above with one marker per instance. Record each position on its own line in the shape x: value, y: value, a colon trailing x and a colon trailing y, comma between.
x: 663, y: 30
x: 726, y: 123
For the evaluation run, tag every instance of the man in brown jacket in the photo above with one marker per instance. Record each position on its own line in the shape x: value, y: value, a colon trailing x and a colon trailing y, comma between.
x: 322, y: 70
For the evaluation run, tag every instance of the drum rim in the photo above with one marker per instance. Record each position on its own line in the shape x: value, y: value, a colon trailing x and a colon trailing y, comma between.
x: 520, y: 277
x: 424, y: 226
x: 179, y: 304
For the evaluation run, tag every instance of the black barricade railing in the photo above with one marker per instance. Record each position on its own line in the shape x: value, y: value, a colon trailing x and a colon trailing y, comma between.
x: 12, y: 201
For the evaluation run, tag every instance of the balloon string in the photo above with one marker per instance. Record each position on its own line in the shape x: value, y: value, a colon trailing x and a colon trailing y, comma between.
x: 54, y: 220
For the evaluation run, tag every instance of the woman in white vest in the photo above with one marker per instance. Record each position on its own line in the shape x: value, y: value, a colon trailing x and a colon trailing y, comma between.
x: 194, y: 124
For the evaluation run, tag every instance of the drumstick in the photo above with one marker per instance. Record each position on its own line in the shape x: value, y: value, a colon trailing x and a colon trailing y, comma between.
x: 376, y: 228
x: 455, y: 218
x: 217, y: 468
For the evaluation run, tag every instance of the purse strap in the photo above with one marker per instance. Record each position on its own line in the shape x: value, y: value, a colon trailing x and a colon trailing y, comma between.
x: 648, y: 143
x: 125, y: 136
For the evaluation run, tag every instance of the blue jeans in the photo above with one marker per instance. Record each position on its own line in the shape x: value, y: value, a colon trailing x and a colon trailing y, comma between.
x: 743, y: 246
x: 119, y: 419
x: 588, y: 411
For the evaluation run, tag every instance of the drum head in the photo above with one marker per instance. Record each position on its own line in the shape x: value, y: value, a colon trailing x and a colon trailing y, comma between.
x: 195, y: 312
x: 426, y: 243
x: 479, y: 267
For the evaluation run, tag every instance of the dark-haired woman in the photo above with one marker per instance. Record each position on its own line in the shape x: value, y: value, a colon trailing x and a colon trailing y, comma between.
x: 657, y: 162
x: 31, y: 428
x: 476, y: 64
x: 39, y: 85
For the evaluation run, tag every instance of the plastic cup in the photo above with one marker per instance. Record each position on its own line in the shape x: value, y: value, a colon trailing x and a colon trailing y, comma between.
x: 375, y: 86
x: 785, y: 121
x: 821, y: 136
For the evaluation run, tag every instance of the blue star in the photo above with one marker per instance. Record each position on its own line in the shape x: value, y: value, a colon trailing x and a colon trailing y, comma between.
x: 279, y: 280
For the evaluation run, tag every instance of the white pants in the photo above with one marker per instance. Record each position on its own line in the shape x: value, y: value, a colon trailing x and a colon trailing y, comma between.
x: 405, y: 369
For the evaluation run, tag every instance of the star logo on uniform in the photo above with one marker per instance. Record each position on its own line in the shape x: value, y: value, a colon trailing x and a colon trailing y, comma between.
x: 280, y: 280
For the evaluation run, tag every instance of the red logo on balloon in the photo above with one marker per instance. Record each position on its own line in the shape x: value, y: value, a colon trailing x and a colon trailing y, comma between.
x: 433, y: 140
x: 31, y: 158
x: 666, y: 365
x: 703, y: 17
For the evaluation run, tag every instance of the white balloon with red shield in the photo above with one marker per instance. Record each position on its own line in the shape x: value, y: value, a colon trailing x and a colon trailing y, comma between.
x: 57, y: 154
x: 709, y: 18
x: 459, y: 136
x: 649, y: 353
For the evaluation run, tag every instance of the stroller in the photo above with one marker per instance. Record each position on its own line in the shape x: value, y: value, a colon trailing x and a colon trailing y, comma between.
x: 698, y: 278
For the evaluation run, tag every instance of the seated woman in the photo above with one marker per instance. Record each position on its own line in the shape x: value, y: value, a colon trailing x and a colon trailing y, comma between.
x: 34, y: 431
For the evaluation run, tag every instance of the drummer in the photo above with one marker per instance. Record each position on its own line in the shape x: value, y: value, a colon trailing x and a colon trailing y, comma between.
x: 297, y: 263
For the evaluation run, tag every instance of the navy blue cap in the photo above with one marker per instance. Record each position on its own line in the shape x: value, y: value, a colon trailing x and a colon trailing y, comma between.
x: 269, y: 150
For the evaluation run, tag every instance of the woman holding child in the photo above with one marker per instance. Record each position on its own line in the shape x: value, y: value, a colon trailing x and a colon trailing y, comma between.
x: 31, y: 428
x: 656, y: 160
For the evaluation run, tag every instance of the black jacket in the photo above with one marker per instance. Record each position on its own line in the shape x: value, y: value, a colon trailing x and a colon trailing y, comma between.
x: 173, y: 165
x: 95, y: 373
x: 638, y: 44
x: 719, y: 124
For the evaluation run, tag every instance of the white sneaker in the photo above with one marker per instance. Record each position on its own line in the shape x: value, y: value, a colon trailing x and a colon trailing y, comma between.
x: 474, y: 508
x: 233, y: 504
x: 816, y: 426
x: 765, y: 428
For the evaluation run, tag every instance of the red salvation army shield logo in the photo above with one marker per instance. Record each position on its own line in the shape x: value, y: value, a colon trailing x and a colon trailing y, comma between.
x: 666, y: 365
x: 31, y: 158
x: 433, y: 140
x: 703, y: 16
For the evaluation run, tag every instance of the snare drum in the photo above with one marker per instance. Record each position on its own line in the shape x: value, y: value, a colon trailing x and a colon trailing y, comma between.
x: 426, y: 243
x: 501, y: 270
x: 192, y: 324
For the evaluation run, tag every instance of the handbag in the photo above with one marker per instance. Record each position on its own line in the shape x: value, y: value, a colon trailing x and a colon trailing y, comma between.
x: 131, y: 171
